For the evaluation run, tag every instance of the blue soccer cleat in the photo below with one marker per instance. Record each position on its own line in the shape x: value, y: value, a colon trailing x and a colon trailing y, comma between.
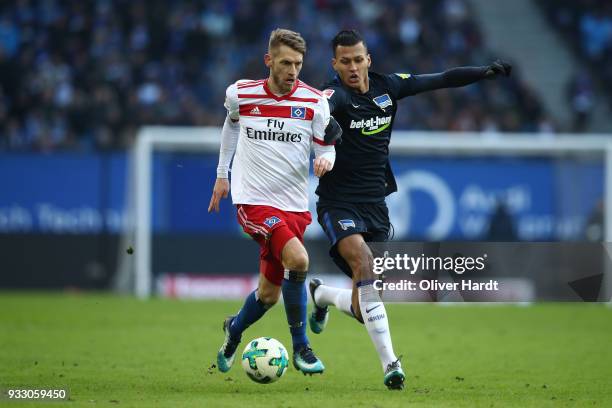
x: 394, y: 376
x: 304, y: 360
x: 227, y: 352
x: 320, y: 315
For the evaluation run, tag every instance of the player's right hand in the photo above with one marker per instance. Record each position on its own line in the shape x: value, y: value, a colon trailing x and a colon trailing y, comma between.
x: 498, y: 67
x: 220, y: 190
x: 321, y: 166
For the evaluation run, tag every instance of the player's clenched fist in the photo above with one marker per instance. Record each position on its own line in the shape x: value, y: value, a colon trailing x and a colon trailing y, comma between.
x: 321, y: 166
x: 220, y: 190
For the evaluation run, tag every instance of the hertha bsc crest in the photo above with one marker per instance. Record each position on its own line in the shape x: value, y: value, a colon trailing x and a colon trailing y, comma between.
x: 346, y: 224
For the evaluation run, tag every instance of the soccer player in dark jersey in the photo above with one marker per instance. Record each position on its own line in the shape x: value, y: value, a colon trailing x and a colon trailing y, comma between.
x: 351, y: 207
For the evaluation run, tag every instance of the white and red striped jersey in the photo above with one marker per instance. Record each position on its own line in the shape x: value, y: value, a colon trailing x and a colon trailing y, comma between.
x: 272, y: 157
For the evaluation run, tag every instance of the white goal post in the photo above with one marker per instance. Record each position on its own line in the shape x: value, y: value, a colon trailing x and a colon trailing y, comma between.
x: 137, y: 269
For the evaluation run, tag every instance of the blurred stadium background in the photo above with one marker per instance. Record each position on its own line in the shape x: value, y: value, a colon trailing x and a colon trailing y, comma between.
x: 82, y: 82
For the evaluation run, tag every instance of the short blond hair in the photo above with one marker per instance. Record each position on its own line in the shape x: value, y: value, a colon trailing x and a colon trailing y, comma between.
x: 291, y: 39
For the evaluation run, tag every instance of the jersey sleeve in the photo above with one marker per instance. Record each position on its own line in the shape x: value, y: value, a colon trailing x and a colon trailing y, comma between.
x: 231, y: 102
x: 229, y: 140
x: 335, y: 98
x: 401, y: 84
x: 320, y: 121
x: 406, y: 84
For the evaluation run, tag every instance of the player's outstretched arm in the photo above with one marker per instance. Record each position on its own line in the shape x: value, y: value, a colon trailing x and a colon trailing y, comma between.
x: 457, y: 77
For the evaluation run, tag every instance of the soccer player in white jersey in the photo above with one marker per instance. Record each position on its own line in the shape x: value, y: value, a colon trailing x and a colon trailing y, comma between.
x: 270, y: 127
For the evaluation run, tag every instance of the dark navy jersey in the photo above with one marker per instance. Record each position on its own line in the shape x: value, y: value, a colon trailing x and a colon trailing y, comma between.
x: 362, y: 172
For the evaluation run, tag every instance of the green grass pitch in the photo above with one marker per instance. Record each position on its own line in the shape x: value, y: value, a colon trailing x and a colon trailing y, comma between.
x: 119, y: 351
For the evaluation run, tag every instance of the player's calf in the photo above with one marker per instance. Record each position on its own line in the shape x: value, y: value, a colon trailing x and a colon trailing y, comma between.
x: 294, y: 294
x: 368, y: 305
x: 269, y: 294
x: 361, y: 260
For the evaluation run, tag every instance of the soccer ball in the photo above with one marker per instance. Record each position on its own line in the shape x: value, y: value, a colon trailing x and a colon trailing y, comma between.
x: 265, y: 360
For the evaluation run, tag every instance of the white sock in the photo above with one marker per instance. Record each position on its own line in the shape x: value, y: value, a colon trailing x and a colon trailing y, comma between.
x: 341, y: 298
x: 374, y: 317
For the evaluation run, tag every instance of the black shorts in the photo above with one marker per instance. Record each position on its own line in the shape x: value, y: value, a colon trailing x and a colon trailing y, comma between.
x: 341, y: 219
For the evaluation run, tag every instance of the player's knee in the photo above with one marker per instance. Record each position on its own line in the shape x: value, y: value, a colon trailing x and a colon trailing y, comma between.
x: 294, y: 256
x: 361, y: 261
x: 297, y: 261
x: 352, y: 258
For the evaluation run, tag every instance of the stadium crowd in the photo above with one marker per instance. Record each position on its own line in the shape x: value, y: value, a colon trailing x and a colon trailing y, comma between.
x: 587, y: 26
x: 78, y: 75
